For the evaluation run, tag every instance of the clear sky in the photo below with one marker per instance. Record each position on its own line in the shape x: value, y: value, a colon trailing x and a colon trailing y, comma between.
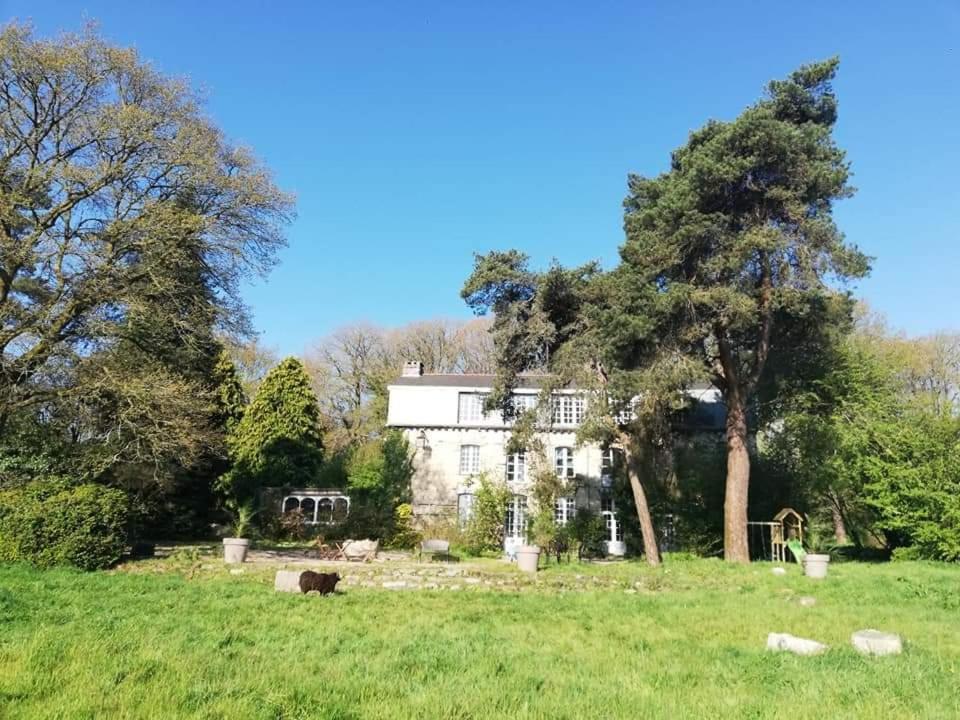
x: 415, y: 134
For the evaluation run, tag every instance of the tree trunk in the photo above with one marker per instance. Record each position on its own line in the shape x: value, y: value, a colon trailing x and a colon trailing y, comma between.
x: 650, y: 548
x: 839, y: 525
x: 735, y: 547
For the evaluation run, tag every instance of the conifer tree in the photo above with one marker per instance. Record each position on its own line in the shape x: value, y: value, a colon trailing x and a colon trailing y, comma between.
x: 278, y: 441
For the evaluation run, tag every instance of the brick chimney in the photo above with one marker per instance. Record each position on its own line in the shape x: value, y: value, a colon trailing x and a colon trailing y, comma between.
x: 412, y: 368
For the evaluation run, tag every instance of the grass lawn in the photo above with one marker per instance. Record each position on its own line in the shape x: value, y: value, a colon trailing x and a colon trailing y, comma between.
x: 687, y: 642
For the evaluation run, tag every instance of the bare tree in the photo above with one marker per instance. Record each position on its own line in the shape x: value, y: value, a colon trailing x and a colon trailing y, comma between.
x: 351, y: 368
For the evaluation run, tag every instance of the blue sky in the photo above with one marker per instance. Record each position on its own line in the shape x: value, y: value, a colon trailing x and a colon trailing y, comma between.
x: 415, y: 134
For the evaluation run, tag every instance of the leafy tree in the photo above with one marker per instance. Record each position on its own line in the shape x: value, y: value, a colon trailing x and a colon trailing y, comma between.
x: 231, y: 397
x: 737, y: 234
x: 571, y: 324
x: 378, y: 481
x: 484, y: 529
x: 277, y: 442
x: 127, y: 223
x: 869, y: 444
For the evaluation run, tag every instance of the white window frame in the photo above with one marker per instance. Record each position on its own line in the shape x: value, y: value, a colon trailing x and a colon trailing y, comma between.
x: 523, y: 401
x: 608, y: 510
x: 470, y: 408
x: 568, y: 410
x: 465, y: 502
x: 469, y: 459
x: 563, y: 463
x: 564, y: 510
x: 515, y: 469
x: 609, y: 458
x: 515, y: 518
x: 316, y: 516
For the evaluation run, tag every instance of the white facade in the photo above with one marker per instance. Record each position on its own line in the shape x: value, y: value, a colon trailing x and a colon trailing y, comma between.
x: 455, y: 441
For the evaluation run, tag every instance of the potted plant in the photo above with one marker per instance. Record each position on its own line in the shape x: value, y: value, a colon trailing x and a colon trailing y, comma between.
x: 235, y: 547
x: 528, y: 558
x: 817, y: 559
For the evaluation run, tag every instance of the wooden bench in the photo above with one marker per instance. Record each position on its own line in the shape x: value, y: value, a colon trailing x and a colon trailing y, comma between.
x: 434, y: 548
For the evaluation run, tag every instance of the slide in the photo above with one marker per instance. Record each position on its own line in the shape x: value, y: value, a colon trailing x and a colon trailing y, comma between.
x: 796, y: 547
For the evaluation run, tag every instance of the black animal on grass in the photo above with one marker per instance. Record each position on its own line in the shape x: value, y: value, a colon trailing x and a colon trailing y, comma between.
x: 323, y: 583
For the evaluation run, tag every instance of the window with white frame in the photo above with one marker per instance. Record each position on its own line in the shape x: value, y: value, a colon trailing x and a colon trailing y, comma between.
x: 515, y: 525
x: 522, y: 403
x: 464, y: 508
x: 563, y: 462
x: 567, y: 409
x: 626, y: 414
x: 470, y: 409
x: 610, y: 459
x: 608, y: 510
x: 469, y: 459
x: 317, y: 509
x: 564, y: 510
x: 517, y: 467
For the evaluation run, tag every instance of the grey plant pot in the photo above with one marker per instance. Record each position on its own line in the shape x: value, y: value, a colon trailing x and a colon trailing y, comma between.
x: 235, y: 550
x: 528, y: 558
x: 815, y: 565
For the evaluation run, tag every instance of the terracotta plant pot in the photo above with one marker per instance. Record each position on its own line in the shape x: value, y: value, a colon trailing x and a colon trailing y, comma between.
x: 235, y: 550
x: 815, y: 565
x: 528, y: 558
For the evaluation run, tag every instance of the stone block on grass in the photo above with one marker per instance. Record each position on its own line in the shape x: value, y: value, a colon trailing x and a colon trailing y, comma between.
x: 287, y: 581
x: 784, y: 642
x: 875, y: 642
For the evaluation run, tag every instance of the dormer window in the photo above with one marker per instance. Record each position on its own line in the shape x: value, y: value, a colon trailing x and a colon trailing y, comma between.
x: 470, y: 409
x: 567, y: 410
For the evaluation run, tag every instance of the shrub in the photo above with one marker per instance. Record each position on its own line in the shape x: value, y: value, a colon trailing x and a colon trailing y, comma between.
x: 292, y: 525
x: 588, y: 533
x: 405, y: 535
x: 484, y: 529
x: 47, y: 524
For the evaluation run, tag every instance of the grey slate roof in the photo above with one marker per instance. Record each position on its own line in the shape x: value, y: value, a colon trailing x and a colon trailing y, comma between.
x: 530, y: 382
x: 465, y: 380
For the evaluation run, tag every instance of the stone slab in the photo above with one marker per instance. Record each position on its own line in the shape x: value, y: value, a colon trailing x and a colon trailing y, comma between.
x: 784, y: 642
x: 287, y: 581
x: 875, y: 642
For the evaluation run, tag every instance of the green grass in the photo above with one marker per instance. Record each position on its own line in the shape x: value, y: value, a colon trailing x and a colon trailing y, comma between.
x: 689, y: 643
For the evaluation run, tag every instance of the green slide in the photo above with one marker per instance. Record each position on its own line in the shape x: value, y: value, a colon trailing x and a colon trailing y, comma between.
x: 796, y: 547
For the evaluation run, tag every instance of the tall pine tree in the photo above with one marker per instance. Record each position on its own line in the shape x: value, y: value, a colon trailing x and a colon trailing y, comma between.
x: 737, y: 238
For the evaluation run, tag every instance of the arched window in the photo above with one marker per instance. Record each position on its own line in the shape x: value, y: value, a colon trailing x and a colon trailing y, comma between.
x: 307, y: 507
x: 341, y: 508
x: 325, y: 511
x: 290, y: 504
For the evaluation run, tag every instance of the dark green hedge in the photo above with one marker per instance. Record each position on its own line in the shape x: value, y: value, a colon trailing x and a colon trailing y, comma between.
x: 56, y: 523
